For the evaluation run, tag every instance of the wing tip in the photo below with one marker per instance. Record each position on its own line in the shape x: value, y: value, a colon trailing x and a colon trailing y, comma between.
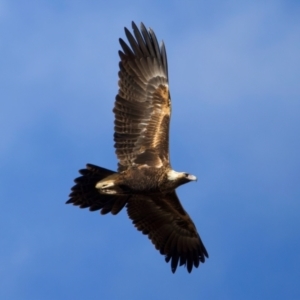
x: 150, y: 43
x: 189, y: 260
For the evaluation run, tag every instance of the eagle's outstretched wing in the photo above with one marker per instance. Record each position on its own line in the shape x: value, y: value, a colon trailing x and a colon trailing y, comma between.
x: 160, y: 216
x: 169, y: 227
x: 143, y: 106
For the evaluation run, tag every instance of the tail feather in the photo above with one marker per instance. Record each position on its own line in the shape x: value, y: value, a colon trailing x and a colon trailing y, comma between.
x: 84, y: 193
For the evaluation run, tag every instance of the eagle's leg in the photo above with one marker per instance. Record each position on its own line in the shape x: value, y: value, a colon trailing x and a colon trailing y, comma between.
x: 110, y: 185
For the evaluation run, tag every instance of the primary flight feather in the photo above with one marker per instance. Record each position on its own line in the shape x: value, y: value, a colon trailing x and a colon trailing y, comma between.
x: 145, y: 182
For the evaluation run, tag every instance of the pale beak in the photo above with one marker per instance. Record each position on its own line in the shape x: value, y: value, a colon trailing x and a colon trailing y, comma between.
x: 192, y: 177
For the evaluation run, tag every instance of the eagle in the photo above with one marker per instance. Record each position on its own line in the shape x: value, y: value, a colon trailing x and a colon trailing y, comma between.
x: 145, y: 182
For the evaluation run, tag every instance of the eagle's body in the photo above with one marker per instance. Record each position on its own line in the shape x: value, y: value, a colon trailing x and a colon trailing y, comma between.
x: 145, y: 182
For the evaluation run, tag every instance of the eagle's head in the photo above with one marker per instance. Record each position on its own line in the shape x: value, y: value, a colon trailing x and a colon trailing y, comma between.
x: 179, y: 178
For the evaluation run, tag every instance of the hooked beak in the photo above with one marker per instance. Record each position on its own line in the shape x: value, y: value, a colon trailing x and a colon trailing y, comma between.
x: 192, y: 177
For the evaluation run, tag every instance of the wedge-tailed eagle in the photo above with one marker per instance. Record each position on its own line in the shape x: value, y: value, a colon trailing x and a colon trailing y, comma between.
x: 145, y: 182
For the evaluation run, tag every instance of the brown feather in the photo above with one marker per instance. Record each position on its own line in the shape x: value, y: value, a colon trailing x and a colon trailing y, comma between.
x: 84, y: 193
x: 169, y: 227
x: 143, y: 106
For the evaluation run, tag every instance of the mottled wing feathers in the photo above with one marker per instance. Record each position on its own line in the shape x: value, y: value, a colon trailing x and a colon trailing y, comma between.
x: 84, y: 192
x: 143, y: 106
x: 169, y: 228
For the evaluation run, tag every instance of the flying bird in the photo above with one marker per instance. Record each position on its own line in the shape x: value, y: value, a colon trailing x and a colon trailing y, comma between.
x: 145, y: 182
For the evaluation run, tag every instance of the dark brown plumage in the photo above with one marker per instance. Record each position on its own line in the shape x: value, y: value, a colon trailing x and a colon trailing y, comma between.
x: 145, y: 182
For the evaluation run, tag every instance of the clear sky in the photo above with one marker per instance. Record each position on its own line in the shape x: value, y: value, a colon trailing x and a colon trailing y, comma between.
x: 234, y: 69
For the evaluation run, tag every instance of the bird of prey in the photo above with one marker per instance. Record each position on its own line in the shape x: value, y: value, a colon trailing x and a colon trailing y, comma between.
x: 145, y: 182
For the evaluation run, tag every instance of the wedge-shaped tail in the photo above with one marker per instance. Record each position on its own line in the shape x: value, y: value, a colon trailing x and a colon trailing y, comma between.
x: 84, y: 192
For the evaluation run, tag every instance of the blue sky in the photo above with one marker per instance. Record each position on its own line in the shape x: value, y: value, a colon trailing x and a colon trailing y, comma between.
x: 234, y: 73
